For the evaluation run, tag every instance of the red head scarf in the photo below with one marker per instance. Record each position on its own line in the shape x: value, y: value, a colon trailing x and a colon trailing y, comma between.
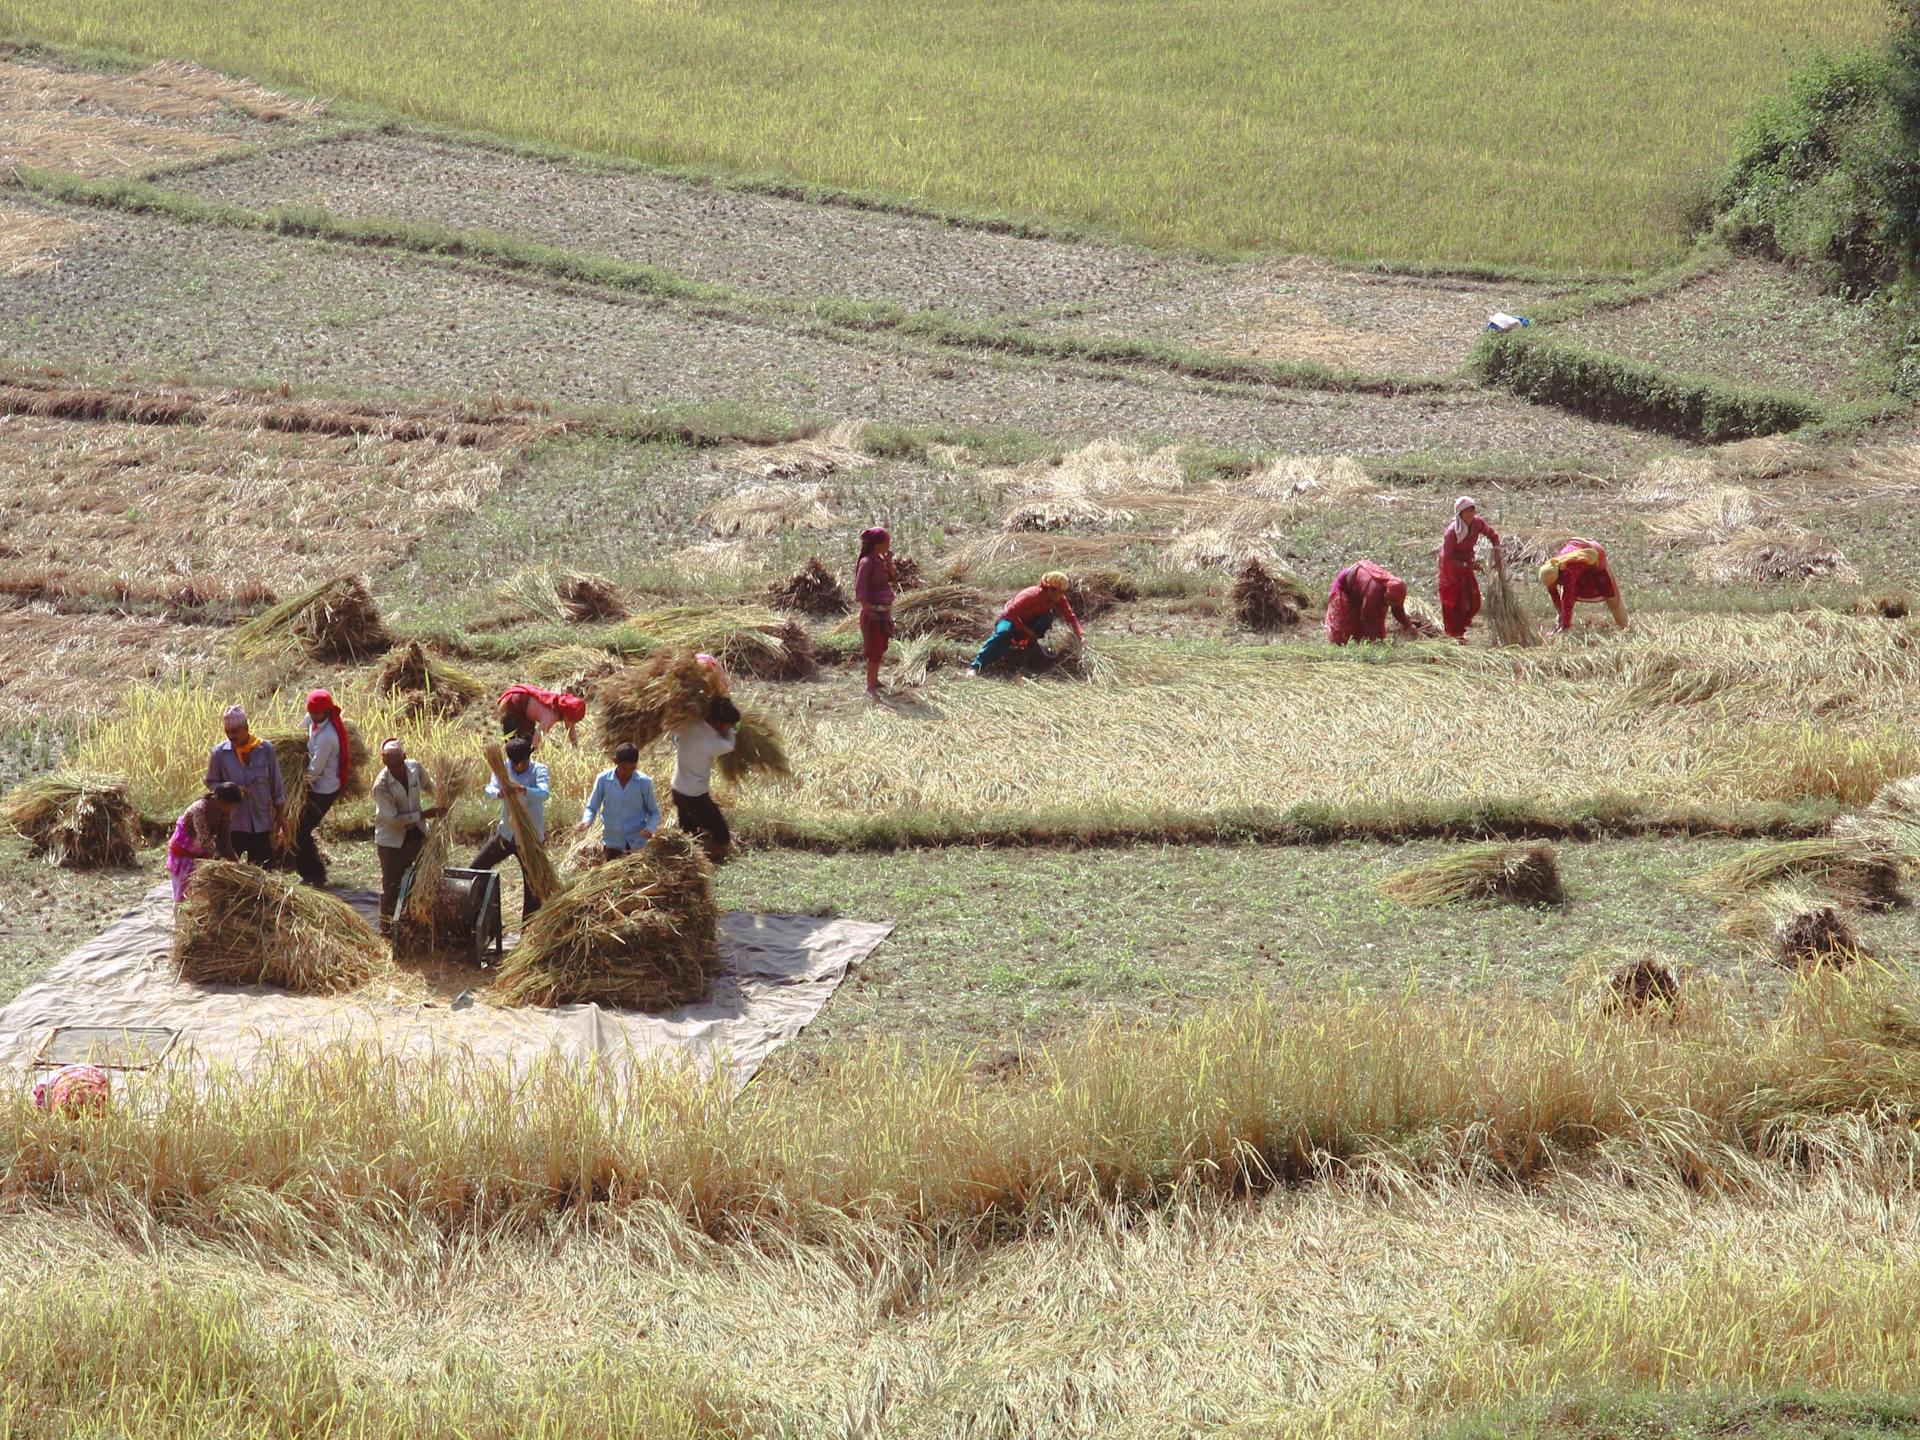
x: 321, y: 707
x: 571, y: 707
x: 871, y: 537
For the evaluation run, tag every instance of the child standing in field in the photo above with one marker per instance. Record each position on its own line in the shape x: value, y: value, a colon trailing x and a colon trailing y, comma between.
x: 873, y: 587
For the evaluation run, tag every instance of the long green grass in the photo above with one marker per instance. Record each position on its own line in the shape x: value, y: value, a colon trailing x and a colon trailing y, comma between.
x: 1562, y: 133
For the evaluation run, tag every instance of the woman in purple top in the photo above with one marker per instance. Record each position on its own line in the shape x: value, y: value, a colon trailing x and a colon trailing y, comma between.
x: 873, y: 588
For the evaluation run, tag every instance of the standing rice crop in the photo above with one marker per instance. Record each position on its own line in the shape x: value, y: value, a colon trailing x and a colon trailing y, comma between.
x: 76, y: 820
x: 241, y: 925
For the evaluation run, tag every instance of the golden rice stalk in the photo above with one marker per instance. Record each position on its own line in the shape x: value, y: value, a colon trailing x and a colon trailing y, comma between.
x: 335, y: 620
x: 422, y: 925
x: 638, y: 933
x: 542, y: 878
x: 77, y: 820
x: 811, y: 457
x: 757, y: 750
x: 240, y: 925
x: 1507, y: 622
x: 769, y: 510
x: 1479, y: 874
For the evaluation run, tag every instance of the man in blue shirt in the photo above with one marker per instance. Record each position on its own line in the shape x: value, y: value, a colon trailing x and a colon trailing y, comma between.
x: 529, y: 779
x: 622, y: 800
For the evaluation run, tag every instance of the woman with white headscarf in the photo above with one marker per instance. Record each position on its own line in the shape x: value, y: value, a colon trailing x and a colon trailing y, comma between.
x: 1459, y: 585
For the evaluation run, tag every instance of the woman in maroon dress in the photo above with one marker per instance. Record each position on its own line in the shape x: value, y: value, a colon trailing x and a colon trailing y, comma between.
x: 873, y: 588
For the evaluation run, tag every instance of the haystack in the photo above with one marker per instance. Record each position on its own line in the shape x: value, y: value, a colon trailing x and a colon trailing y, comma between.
x: 763, y: 643
x: 1640, y: 986
x: 1855, y: 867
x: 956, y: 612
x: 1223, y: 546
x: 77, y: 820
x: 431, y: 918
x: 1507, y: 622
x: 757, y: 750
x: 585, y: 597
x: 637, y: 704
x: 411, y: 669
x: 907, y: 574
x: 812, y: 590
x: 1814, y: 935
x: 336, y: 620
x: 1481, y: 874
x: 240, y: 925
x: 1092, y: 593
x: 637, y: 933
x: 1264, y: 601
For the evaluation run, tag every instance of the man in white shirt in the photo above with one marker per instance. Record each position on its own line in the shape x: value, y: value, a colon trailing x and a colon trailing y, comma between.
x: 399, y: 821
x: 529, y: 779
x: 327, y: 768
x: 695, y: 748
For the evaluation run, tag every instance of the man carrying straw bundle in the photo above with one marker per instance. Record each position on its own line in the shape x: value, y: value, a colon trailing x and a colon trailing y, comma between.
x: 1577, y: 572
x: 245, y: 760
x: 204, y: 831
x: 873, y: 580
x: 1026, y: 617
x: 623, y: 802
x: 1459, y: 585
x: 695, y: 748
x: 328, y: 765
x: 529, y: 781
x: 1362, y: 597
x: 399, y: 821
x: 530, y: 712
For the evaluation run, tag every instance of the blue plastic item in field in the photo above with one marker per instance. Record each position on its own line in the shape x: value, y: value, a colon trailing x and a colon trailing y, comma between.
x: 1502, y: 322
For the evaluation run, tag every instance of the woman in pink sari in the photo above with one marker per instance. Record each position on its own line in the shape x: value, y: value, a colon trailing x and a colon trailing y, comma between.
x: 203, y: 832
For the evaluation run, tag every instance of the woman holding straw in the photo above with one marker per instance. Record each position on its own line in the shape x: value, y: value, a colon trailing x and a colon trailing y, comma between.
x: 1579, y: 571
x: 1362, y: 597
x: 399, y: 820
x: 328, y: 765
x: 873, y: 580
x: 1459, y: 584
x: 203, y: 832
x: 1025, y: 618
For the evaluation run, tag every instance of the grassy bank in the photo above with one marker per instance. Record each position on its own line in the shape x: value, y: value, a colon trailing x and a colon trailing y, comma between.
x: 1226, y: 124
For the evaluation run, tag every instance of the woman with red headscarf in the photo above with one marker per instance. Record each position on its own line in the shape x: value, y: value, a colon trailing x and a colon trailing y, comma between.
x: 1362, y: 597
x: 529, y: 711
x: 1459, y: 585
x: 328, y: 765
x: 873, y: 587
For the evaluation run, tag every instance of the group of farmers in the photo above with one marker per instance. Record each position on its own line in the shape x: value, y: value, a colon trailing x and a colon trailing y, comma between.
x: 245, y: 806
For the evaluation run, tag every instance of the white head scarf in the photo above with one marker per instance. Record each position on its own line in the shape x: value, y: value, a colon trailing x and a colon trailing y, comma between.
x: 1460, y: 507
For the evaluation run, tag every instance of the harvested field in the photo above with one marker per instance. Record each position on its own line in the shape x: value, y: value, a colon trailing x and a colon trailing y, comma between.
x: 88, y: 124
x: 30, y: 240
x: 69, y: 667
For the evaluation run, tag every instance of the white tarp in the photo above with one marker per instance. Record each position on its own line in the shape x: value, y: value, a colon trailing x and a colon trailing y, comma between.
x: 777, y: 972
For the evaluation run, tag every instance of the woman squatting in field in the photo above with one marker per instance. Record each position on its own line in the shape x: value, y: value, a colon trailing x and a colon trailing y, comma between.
x: 1579, y: 571
x: 1362, y: 597
x: 1025, y: 618
x: 1459, y: 585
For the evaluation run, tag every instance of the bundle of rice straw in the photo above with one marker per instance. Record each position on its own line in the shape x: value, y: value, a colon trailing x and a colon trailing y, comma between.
x: 1797, y: 927
x: 1426, y: 624
x: 812, y: 590
x: 817, y: 455
x: 1092, y: 593
x: 667, y: 691
x: 574, y: 669
x: 637, y: 933
x: 240, y: 925
x: 1857, y: 867
x: 768, y: 510
x: 1884, y: 607
x: 335, y: 620
x: 430, y: 917
x: 77, y: 820
x: 290, y: 749
x: 1262, y: 601
x: 542, y: 878
x: 1520, y: 874
x: 585, y: 597
x: 907, y: 574
x: 1786, y: 554
x: 757, y: 749
x: 411, y: 669
x: 957, y: 612
x: 1641, y: 985
x: 1305, y: 478
x: 1507, y: 622
x: 763, y: 643
x: 586, y: 853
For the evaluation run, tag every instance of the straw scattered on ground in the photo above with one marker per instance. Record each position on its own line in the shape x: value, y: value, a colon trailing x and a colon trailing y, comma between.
x: 31, y: 241
x: 813, y: 457
x: 768, y: 510
x: 241, y: 925
x: 77, y: 820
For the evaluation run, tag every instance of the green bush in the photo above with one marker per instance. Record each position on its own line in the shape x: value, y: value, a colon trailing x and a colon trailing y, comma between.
x: 1629, y: 392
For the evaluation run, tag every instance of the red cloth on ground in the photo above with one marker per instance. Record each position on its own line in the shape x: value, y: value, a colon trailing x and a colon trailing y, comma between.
x: 1036, y: 600
x: 1459, y: 587
x: 1362, y: 596
x: 1580, y: 579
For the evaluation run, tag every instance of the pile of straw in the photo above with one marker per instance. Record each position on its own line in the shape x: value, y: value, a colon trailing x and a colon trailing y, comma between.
x: 585, y: 597
x: 812, y: 590
x: 1885, y: 607
x: 1481, y: 874
x: 955, y: 612
x: 1855, y: 867
x: 290, y: 749
x: 572, y: 669
x: 1262, y: 601
x: 1426, y: 625
x: 763, y: 643
x: 335, y: 620
x: 757, y: 749
x: 428, y: 920
x: 1507, y: 621
x: 637, y: 933
x: 816, y: 456
x: 240, y: 925
x: 542, y: 878
x: 1309, y: 478
x: 1092, y: 593
x: 1640, y: 986
x: 907, y: 574
x: 1787, y: 555
x: 77, y: 820
x: 637, y: 704
x: 1797, y: 927
x: 441, y: 687
x: 769, y: 510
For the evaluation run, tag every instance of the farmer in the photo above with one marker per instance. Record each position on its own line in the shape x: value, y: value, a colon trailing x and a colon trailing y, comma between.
x: 73, y: 1088
x: 328, y: 765
x: 203, y: 832
x: 530, y: 711
x: 1362, y: 596
x: 1579, y: 572
x: 695, y: 748
x: 399, y: 821
x: 1026, y: 617
x: 873, y: 581
x: 1459, y: 586
x: 244, y: 759
x: 622, y: 800
x: 528, y: 777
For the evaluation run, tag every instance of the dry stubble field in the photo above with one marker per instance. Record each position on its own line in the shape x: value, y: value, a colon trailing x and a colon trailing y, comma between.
x: 1360, y: 1168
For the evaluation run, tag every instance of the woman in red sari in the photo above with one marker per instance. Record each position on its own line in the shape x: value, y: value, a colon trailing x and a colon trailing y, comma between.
x: 1459, y: 585
x: 1362, y: 597
x: 1579, y: 572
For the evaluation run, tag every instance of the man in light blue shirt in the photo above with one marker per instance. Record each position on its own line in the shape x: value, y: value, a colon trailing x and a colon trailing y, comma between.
x: 622, y: 800
x: 529, y: 780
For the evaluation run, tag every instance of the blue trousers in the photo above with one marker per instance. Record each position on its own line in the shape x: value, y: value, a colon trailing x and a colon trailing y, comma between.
x: 1001, y: 640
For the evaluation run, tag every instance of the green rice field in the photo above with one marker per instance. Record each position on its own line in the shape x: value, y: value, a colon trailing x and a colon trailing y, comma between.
x: 1558, y: 133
